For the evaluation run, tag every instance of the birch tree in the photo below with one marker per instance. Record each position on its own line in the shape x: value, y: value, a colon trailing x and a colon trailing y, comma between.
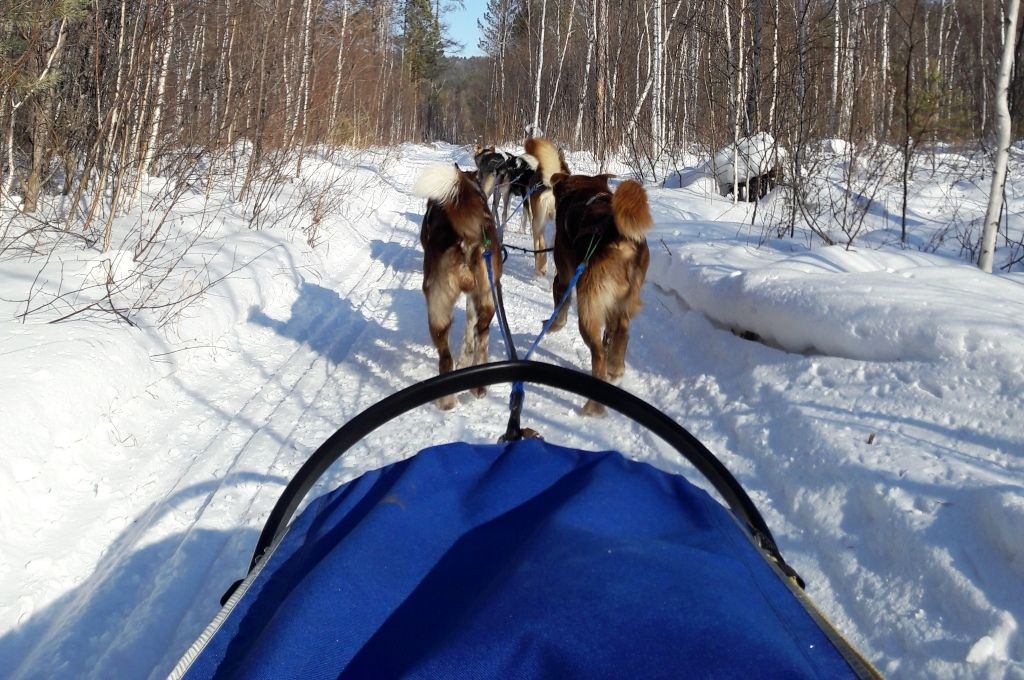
x: 1002, y: 119
x: 540, y: 67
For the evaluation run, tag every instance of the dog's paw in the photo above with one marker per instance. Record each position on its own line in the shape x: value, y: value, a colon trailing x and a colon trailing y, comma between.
x: 592, y: 408
x: 478, y: 392
x: 447, y: 403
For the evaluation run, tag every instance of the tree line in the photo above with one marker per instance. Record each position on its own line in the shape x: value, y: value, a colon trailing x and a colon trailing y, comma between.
x: 657, y: 75
x: 96, y: 95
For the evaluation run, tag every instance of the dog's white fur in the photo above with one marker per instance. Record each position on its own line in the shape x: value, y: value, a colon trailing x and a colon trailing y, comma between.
x: 548, y: 161
x: 438, y: 183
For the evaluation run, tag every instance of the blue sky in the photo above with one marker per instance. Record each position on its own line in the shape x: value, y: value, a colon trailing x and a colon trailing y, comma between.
x: 462, y: 27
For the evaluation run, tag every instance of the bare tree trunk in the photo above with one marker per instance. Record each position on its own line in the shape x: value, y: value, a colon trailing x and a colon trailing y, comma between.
x: 161, y: 89
x: 984, y: 80
x: 336, y: 96
x: 540, y: 67
x: 591, y: 42
x: 658, y: 103
x: 886, y: 95
x: 561, y: 62
x: 51, y: 61
x: 305, y: 47
x: 836, y: 29
x: 775, y: 68
x: 304, y: 81
x: 1002, y: 109
x: 631, y: 126
x: 754, y: 83
x: 600, y: 108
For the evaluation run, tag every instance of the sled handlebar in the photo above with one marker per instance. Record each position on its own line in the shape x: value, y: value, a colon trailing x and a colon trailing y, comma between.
x: 570, y: 380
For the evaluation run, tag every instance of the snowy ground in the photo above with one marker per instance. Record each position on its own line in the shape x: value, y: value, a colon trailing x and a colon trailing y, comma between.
x: 874, y: 414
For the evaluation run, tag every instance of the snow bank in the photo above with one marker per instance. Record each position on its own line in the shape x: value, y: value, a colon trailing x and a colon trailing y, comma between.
x: 871, y: 305
x: 757, y: 155
x: 60, y: 382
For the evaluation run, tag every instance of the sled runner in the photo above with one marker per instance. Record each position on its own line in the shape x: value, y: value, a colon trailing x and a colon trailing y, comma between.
x: 519, y: 560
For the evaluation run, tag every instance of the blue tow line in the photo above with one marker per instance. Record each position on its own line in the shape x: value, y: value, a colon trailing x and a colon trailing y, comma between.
x: 514, y: 431
x: 518, y: 394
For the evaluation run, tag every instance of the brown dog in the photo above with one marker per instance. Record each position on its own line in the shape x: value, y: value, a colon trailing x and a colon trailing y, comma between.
x: 542, y: 201
x: 609, y: 229
x: 455, y: 227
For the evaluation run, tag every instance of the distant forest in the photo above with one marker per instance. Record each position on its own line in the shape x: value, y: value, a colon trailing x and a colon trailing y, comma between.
x: 97, y: 93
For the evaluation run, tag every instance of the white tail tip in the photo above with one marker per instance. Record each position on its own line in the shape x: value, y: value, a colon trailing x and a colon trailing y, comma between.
x: 438, y: 183
x: 530, y: 160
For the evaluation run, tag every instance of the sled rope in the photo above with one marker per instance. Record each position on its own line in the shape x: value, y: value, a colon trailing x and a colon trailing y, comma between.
x: 529, y: 192
x: 514, y: 430
x: 506, y: 246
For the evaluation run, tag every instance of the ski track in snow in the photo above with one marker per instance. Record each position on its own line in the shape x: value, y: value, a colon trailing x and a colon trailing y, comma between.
x: 179, y: 523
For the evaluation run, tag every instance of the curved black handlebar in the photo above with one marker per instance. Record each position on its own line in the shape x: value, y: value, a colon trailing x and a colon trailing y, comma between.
x: 482, y: 375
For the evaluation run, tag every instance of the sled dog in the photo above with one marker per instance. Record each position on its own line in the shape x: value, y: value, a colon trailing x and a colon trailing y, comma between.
x: 607, y: 230
x: 455, y: 226
x: 542, y: 201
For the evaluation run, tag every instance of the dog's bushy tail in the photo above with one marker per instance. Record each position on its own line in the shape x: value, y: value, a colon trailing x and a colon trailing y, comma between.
x: 632, y: 214
x: 458, y: 195
x: 548, y: 160
x: 439, y: 183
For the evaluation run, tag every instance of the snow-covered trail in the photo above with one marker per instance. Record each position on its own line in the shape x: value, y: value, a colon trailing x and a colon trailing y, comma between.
x: 170, y: 529
x: 178, y: 519
x: 198, y: 462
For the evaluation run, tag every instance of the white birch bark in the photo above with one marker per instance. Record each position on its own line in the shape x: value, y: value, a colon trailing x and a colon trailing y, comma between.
x: 561, y: 62
x: 984, y: 81
x: 775, y: 68
x: 886, y: 95
x: 540, y: 67
x: 161, y: 89
x: 577, y: 134
x: 336, y: 95
x: 304, y: 71
x: 289, y: 98
x: 634, y: 117
x: 835, y: 64
x: 658, y: 102
x: 1002, y: 117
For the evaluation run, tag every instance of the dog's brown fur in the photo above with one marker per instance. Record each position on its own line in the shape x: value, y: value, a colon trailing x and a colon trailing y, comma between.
x: 612, y: 228
x: 542, y: 202
x: 452, y: 235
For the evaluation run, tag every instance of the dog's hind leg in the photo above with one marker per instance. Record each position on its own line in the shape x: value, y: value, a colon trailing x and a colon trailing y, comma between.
x: 440, y: 303
x: 505, y: 197
x: 590, y: 329
x: 616, y: 338
x: 526, y: 215
x: 540, y: 218
x: 466, y: 355
x: 484, y: 313
x: 480, y: 311
x: 558, y: 288
x: 496, y: 195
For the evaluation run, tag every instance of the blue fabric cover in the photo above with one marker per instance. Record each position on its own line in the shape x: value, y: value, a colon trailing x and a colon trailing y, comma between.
x: 520, y: 561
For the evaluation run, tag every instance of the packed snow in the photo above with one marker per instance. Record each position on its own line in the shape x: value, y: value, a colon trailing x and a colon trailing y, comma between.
x: 869, y: 399
x: 746, y: 158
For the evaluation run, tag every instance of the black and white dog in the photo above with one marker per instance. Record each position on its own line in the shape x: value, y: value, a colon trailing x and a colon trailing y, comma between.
x: 489, y: 164
x: 502, y: 176
x: 516, y: 176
